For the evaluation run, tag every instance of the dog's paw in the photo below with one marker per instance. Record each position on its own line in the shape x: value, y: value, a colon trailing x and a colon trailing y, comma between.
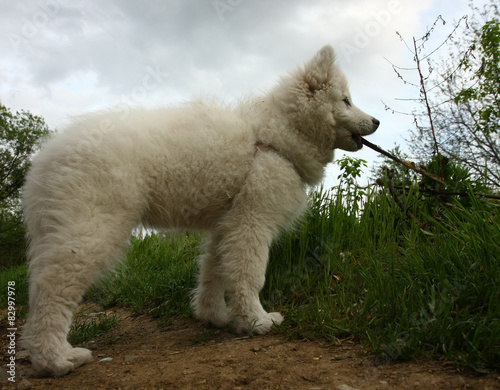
x: 62, y: 365
x: 216, y: 315
x: 209, y: 306
x: 80, y: 356
x: 260, y: 325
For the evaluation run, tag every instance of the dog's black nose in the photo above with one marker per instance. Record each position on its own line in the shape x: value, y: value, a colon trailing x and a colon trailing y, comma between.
x: 376, y: 123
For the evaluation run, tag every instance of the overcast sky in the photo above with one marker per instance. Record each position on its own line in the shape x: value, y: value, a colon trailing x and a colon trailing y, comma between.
x: 66, y: 57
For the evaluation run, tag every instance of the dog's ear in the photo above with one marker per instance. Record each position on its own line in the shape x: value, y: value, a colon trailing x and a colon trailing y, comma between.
x: 318, y: 72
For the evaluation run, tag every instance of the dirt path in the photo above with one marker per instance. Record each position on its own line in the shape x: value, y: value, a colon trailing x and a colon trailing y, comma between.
x: 183, y: 355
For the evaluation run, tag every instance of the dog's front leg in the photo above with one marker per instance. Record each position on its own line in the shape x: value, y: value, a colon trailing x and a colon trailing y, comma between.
x: 245, y: 254
x: 273, y: 195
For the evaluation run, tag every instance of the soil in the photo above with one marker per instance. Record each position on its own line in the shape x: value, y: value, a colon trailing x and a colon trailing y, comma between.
x: 186, y: 354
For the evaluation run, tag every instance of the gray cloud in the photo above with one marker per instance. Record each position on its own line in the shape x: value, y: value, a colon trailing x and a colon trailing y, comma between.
x: 65, y: 57
x: 118, y: 39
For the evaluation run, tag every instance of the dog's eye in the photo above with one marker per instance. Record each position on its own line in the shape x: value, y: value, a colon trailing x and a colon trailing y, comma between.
x: 346, y: 101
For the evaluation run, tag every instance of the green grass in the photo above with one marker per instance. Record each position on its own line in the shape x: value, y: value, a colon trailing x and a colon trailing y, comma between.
x: 403, y: 291
x: 17, y: 275
x: 354, y: 267
x: 86, y: 329
x: 156, y: 278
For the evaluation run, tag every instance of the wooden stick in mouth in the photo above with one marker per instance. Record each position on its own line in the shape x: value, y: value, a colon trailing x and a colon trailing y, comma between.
x: 407, y: 164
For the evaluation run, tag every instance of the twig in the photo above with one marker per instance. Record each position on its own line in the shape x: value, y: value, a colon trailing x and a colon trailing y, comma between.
x: 402, y: 206
x: 240, y: 338
x: 412, y: 166
x: 427, y: 105
x: 405, y: 163
x: 451, y: 193
x: 313, y: 254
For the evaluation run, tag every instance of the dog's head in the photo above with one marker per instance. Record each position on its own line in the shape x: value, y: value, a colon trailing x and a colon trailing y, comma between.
x: 324, y: 111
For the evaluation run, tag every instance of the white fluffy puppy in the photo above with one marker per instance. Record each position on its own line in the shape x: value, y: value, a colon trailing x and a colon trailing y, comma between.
x: 239, y: 173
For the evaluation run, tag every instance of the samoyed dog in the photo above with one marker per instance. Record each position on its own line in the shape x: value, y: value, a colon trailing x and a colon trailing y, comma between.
x: 240, y: 173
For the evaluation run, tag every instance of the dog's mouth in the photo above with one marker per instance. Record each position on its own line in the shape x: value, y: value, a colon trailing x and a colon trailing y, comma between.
x: 357, y: 140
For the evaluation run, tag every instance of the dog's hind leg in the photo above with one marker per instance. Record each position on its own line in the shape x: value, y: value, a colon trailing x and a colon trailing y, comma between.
x: 208, y: 302
x: 64, y: 262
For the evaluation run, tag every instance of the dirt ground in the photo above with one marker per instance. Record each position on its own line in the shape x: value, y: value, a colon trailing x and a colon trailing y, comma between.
x: 140, y: 354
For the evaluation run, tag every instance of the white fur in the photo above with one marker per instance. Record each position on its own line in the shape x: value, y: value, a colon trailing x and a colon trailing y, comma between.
x: 239, y: 173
